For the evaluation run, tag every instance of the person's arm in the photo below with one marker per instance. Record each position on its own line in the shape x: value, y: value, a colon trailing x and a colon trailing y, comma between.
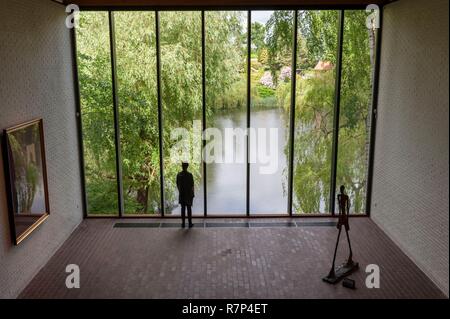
x: 339, y: 223
x: 339, y: 204
x: 178, y: 182
x: 348, y: 205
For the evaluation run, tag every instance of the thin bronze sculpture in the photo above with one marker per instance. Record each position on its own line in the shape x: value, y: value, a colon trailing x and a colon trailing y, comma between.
x: 336, y: 274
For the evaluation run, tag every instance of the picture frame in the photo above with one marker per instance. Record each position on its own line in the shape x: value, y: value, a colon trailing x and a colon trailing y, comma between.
x: 26, y: 178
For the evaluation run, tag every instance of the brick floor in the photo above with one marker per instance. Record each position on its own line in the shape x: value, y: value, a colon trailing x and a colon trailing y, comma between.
x: 221, y: 262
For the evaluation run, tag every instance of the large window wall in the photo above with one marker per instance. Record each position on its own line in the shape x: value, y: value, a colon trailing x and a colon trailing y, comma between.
x: 316, y: 77
x: 97, y: 113
x: 271, y: 64
x: 358, y: 57
x: 138, y: 110
x: 226, y: 111
x: 181, y: 94
x: 287, y: 93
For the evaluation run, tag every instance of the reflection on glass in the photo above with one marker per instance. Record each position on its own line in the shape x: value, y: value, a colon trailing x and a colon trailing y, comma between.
x: 226, y: 78
x: 181, y: 93
x: 316, y: 60
x: 138, y: 110
x: 357, y: 66
x: 94, y: 72
x: 271, y: 63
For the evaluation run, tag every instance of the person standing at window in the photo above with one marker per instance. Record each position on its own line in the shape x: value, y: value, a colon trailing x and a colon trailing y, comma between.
x: 185, y: 185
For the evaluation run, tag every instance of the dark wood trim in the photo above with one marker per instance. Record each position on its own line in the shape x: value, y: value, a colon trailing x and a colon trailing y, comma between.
x: 112, y: 47
x: 205, y: 182
x: 292, y: 114
x: 61, y: 2
x: 337, y: 103
x: 160, y: 114
x: 249, y: 70
x: 76, y: 85
x: 9, y: 194
x: 258, y: 216
x: 374, y: 115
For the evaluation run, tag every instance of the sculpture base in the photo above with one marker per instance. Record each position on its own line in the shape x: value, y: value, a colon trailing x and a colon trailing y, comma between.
x: 340, y: 272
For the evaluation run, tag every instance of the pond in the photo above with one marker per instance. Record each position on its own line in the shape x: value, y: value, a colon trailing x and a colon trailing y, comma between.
x: 226, y: 182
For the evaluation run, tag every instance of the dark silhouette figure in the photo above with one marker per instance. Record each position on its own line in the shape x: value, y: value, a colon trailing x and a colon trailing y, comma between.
x: 344, y: 209
x: 349, y: 266
x: 185, y: 185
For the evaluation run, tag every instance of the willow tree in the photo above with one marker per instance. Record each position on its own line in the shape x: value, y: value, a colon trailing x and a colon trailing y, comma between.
x: 181, y: 96
x: 317, y: 42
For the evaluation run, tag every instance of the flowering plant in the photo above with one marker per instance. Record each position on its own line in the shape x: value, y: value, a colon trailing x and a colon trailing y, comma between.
x: 285, y: 74
x: 267, y: 80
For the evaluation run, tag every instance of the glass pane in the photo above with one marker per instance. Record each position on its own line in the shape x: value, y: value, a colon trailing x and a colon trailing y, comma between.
x: 181, y: 71
x: 138, y: 110
x: 316, y: 60
x: 271, y: 63
x: 226, y: 87
x: 356, y: 92
x: 94, y: 71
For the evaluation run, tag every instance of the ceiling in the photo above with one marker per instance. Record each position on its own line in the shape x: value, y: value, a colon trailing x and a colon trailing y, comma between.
x: 223, y: 3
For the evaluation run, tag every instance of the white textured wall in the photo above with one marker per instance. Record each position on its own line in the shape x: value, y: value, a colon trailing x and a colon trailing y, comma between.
x: 411, y: 176
x: 36, y: 81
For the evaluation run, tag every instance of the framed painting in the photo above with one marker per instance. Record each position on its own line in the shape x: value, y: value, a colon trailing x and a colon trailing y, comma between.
x: 26, y: 178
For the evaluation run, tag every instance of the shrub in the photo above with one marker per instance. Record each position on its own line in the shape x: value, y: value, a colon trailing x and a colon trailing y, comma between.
x: 265, y: 92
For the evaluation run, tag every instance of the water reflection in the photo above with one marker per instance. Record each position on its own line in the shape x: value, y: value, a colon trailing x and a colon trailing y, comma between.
x: 266, y: 190
x: 226, y: 182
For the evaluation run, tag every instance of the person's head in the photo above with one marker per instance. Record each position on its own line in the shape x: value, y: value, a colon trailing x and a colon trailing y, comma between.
x: 342, y: 188
x: 185, y: 166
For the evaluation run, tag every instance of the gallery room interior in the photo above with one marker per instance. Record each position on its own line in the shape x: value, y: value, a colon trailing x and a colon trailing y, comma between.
x: 316, y: 134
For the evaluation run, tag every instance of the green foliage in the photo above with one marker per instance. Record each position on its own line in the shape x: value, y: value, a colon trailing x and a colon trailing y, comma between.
x: 258, y: 36
x: 137, y: 97
x: 264, y: 91
x: 102, y: 196
x: 314, y: 118
x: 358, y: 51
x: 263, y: 56
x: 318, y: 31
x: 234, y: 97
x: 138, y: 110
x: 226, y: 84
x: 279, y: 40
x: 283, y: 95
x: 225, y: 61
